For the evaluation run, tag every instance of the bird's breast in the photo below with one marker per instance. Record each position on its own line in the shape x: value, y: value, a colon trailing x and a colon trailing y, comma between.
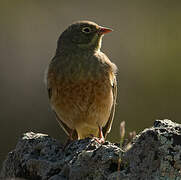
x: 81, y: 91
x: 86, y: 101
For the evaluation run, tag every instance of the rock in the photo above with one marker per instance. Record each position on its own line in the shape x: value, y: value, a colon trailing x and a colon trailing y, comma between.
x: 155, y: 154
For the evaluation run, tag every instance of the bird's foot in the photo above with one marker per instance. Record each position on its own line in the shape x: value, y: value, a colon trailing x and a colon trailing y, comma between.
x: 66, y: 144
x: 69, y: 140
x: 99, y: 140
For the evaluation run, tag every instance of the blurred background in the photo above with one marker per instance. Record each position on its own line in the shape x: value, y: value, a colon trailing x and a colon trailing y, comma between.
x: 145, y: 45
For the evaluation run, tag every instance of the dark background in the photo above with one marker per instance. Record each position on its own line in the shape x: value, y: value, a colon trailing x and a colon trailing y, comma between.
x: 145, y: 45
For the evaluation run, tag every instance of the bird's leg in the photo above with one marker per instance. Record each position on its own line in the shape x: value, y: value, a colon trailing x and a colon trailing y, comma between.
x: 69, y: 140
x: 70, y: 135
x: 101, y: 136
x: 100, y: 139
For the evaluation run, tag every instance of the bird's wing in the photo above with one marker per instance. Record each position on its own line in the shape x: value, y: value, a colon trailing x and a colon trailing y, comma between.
x: 106, y: 129
x: 49, y: 78
x: 70, y: 132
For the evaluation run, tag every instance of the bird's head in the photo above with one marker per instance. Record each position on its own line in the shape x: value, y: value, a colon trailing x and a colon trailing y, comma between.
x: 82, y: 35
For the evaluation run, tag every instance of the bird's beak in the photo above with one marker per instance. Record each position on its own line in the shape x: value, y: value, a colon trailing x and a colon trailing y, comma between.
x: 104, y: 30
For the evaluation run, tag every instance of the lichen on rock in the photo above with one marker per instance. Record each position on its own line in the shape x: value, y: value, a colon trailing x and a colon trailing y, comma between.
x: 154, y: 154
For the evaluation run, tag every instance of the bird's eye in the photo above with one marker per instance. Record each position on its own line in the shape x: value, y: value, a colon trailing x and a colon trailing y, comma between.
x: 86, y: 30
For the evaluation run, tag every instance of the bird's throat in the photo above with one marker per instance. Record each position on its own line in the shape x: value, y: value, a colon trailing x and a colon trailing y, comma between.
x: 94, y: 44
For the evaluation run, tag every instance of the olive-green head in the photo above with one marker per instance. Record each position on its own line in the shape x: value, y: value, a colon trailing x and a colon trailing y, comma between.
x: 82, y: 35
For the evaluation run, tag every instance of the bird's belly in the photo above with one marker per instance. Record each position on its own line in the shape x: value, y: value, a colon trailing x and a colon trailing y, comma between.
x: 83, y: 105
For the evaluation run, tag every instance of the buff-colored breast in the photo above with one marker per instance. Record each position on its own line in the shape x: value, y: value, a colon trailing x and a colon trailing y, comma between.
x: 83, y: 105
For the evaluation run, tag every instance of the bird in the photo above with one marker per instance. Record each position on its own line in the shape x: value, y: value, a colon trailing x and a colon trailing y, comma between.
x: 81, y: 82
